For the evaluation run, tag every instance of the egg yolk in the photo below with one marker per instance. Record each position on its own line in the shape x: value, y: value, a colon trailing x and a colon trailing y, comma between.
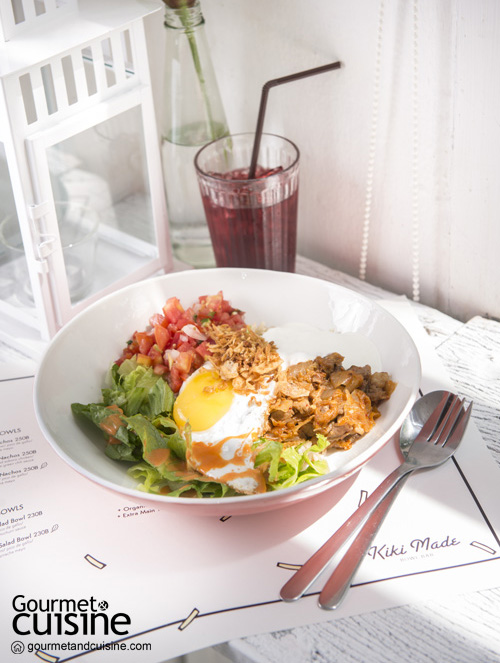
x: 203, y: 401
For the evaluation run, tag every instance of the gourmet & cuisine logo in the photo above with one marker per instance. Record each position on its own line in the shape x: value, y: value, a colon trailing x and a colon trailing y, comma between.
x: 86, y: 616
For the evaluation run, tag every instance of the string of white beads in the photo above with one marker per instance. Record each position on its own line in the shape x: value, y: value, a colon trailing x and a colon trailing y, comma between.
x: 415, y: 213
x: 372, y: 146
x: 415, y: 159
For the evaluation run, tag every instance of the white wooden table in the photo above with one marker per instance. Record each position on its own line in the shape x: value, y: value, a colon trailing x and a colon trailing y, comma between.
x: 459, y: 629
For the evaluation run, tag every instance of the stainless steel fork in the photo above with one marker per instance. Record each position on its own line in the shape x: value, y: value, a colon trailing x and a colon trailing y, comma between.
x: 435, y: 443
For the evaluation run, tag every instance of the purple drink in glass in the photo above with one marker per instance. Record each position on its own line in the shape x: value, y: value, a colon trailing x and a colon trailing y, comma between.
x: 253, y: 223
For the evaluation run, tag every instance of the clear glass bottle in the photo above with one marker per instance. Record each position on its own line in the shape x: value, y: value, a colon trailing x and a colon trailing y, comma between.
x: 193, y: 115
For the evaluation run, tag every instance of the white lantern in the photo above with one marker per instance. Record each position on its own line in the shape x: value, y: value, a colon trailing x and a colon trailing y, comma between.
x: 82, y: 203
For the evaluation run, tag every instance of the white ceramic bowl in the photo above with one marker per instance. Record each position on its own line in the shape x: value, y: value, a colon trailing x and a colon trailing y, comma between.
x: 77, y: 359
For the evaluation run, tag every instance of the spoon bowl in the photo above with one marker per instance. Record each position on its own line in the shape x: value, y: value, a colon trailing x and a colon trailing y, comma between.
x: 419, y: 414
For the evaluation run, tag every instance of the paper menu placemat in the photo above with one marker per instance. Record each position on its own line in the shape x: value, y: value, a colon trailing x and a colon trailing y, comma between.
x: 88, y: 568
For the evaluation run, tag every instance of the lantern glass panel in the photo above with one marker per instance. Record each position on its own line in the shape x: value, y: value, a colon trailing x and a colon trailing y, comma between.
x: 102, y: 172
x: 9, y: 259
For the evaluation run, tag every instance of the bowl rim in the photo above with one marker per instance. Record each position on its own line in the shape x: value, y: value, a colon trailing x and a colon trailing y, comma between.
x: 308, y: 486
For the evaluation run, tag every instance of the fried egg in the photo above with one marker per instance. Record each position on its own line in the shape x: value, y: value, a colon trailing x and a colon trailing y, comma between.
x: 224, y: 424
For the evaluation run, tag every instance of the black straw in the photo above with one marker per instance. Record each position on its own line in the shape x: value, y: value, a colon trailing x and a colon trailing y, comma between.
x: 263, y: 103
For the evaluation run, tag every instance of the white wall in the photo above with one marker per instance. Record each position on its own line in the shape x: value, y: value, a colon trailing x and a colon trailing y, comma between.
x: 330, y: 118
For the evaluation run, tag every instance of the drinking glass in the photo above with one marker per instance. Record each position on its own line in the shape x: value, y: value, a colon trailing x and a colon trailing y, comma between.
x: 252, y: 222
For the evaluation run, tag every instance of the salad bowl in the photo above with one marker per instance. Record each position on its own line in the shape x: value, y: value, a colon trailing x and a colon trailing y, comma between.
x: 76, y: 361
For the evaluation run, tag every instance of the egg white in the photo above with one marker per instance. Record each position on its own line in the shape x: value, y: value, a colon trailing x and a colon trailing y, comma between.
x: 242, y: 423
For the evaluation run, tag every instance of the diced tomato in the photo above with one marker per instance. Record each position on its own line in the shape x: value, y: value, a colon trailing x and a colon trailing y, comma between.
x: 133, y: 346
x: 184, y: 361
x: 213, y: 302
x: 174, y: 379
x: 197, y: 362
x: 175, y: 339
x: 162, y: 336
x: 173, y: 309
x: 160, y: 369
x: 185, y: 346
x: 203, y: 349
x: 185, y: 319
x: 156, y: 355
x: 158, y: 319
x: 145, y: 341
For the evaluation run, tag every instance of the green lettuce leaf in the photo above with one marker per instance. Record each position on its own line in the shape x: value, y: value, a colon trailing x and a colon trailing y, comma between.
x: 176, y: 441
x: 129, y: 447
x: 137, y: 389
x: 160, y: 400
x: 270, y: 453
x: 175, y: 483
x: 154, y: 439
x: 293, y: 465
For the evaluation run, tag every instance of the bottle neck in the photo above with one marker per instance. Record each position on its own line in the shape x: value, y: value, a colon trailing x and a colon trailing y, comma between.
x: 183, y: 14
